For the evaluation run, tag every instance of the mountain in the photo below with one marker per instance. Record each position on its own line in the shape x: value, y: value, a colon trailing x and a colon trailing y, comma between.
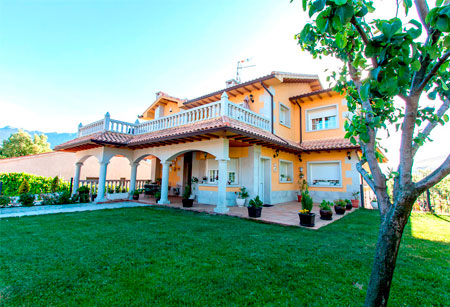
x: 54, y: 138
x: 429, y: 163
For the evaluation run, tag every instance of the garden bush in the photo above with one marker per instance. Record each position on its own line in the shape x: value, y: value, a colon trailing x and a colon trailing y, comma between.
x: 4, y: 201
x: 24, y: 187
x: 37, y: 184
x: 26, y: 199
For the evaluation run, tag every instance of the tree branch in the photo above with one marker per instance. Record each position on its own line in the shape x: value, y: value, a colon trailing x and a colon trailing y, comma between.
x: 432, y: 72
x: 422, y: 10
x: 365, y: 174
x: 431, y: 125
x: 364, y: 37
x: 408, y: 125
x: 440, y: 173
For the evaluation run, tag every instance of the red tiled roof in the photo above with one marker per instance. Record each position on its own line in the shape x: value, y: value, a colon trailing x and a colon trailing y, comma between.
x: 107, y: 137
x: 327, y: 144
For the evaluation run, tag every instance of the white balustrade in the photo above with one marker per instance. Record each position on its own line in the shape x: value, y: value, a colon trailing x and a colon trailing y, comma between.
x: 202, y: 113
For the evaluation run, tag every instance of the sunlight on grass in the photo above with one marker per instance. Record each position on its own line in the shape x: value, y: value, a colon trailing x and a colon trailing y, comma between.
x: 430, y: 227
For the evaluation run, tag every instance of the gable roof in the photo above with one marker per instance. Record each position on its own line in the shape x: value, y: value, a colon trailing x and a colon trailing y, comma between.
x: 163, y: 97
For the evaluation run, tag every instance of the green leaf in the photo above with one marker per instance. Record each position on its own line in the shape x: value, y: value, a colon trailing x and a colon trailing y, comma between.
x: 439, y: 2
x: 345, y: 13
x: 443, y: 24
x: 447, y: 42
x: 362, y: 12
x: 322, y: 21
x: 432, y: 95
x: 430, y: 15
x: 415, y: 65
x: 364, y: 91
x: 304, y: 4
x: 353, y: 140
x: 340, y: 2
x: 445, y: 118
x: 341, y: 40
x: 365, y: 137
x: 316, y: 6
x: 444, y: 86
x: 375, y: 72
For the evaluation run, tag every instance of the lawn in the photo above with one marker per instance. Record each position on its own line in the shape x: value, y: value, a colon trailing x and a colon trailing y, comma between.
x: 166, y: 257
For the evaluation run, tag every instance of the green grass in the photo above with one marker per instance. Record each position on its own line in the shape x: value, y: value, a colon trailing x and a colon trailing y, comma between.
x: 166, y: 257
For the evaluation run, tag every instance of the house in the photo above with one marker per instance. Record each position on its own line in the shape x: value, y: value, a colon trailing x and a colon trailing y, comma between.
x: 262, y: 134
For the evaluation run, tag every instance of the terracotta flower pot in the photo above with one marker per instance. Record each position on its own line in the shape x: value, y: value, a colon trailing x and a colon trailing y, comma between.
x: 355, y: 203
x: 299, y: 198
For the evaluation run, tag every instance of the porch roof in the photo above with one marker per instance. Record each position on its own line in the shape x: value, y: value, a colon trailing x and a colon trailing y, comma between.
x: 328, y: 144
x: 223, y: 126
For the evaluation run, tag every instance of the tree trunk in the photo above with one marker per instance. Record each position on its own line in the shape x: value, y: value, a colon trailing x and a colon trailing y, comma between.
x: 389, y: 238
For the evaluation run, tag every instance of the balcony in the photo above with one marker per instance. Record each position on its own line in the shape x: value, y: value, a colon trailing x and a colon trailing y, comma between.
x: 206, y: 112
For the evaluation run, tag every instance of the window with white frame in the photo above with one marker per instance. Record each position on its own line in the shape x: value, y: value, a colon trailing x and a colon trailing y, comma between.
x: 326, y: 174
x: 213, y: 171
x: 232, y: 171
x: 286, y: 171
x: 322, y: 118
x: 285, y: 115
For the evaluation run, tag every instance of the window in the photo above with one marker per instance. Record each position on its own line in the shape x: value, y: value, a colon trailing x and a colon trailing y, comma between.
x: 326, y: 174
x: 285, y: 115
x: 322, y: 118
x: 286, y: 171
x: 232, y: 171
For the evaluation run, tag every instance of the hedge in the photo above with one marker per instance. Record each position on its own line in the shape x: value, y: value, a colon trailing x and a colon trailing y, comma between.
x: 38, y: 184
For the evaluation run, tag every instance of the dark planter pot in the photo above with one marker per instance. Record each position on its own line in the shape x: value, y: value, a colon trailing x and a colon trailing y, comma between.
x: 147, y: 189
x: 355, y: 203
x: 93, y: 197
x: 339, y: 210
x: 307, y: 219
x: 348, y: 207
x: 254, y: 212
x: 326, y: 215
x: 187, y: 203
x: 299, y: 197
x: 136, y: 197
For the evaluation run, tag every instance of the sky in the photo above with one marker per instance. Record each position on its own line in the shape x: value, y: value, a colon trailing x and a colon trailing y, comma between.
x: 63, y: 62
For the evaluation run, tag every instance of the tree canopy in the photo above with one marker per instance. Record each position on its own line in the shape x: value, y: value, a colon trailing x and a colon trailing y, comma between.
x: 21, y: 144
x: 388, y: 65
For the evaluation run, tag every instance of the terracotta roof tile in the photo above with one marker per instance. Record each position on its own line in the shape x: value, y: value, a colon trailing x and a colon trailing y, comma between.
x: 327, y: 144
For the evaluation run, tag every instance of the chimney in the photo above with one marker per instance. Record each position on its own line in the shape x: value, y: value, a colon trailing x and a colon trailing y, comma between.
x: 159, y: 94
x: 231, y: 83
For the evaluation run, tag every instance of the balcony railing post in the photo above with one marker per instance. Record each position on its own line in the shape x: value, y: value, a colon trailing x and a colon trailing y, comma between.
x: 106, y: 122
x: 224, y: 104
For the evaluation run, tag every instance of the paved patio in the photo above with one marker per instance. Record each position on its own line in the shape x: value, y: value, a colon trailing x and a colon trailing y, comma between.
x: 283, y: 214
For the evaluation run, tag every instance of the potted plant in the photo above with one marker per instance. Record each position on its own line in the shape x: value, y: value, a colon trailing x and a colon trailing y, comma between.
x: 242, y: 196
x: 83, y: 193
x: 355, y: 200
x: 307, y: 218
x: 93, y: 193
x: 348, y: 205
x: 325, y: 211
x: 204, y: 179
x: 374, y: 203
x: 339, y: 206
x: 302, y: 186
x: 187, y: 201
x: 157, y: 196
x: 255, y: 207
x: 136, y: 194
x: 282, y: 177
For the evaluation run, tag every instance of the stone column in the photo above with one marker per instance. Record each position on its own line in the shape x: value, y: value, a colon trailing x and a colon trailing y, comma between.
x: 133, y: 178
x: 102, y: 181
x: 256, y: 162
x: 76, y: 178
x: 222, y: 187
x: 165, y: 184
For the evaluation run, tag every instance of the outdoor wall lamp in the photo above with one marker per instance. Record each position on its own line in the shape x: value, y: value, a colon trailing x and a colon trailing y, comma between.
x: 205, y: 154
x: 277, y: 152
x: 251, y: 98
x: 349, y: 155
x: 300, y: 158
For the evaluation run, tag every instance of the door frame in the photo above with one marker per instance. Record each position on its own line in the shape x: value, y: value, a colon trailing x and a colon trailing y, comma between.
x: 265, y: 179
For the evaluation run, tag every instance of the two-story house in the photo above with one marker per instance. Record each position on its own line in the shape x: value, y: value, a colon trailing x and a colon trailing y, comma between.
x: 263, y: 134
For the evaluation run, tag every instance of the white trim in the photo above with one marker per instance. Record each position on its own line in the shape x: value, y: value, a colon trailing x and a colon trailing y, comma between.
x: 308, y: 165
x: 291, y: 169
x: 280, y: 104
x: 323, y: 107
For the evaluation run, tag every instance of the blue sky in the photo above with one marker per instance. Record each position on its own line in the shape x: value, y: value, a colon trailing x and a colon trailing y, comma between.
x: 63, y: 62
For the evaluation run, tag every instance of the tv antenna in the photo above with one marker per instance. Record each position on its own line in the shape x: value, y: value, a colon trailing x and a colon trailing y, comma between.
x: 240, y: 66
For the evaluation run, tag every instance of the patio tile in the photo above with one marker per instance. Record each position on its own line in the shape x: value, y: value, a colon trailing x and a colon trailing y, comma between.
x: 283, y: 214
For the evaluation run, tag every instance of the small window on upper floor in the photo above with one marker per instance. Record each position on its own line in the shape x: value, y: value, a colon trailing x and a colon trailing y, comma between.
x: 285, y: 115
x: 322, y: 118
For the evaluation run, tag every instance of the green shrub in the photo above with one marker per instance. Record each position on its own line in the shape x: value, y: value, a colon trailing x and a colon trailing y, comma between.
x: 256, y: 202
x: 325, y: 205
x: 26, y: 199
x: 340, y: 202
x: 24, y: 187
x: 307, y: 202
x: 54, y: 184
x: 64, y: 198
x: 187, y: 192
x: 83, y: 190
x: 4, y: 201
x: 243, y: 194
x: 38, y: 184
